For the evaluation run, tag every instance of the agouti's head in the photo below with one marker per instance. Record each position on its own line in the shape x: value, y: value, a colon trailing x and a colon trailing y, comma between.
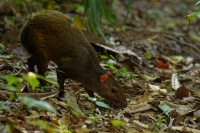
x: 112, y: 91
x: 108, y: 88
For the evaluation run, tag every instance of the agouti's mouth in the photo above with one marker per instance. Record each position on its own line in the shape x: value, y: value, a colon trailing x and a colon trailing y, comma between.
x: 118, y: 104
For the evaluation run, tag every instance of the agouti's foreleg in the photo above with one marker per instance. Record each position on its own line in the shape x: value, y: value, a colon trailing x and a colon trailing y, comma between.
x: 61, y: 79
x: 31, y: 64
x: 90, y: 93
x: 42, y: 65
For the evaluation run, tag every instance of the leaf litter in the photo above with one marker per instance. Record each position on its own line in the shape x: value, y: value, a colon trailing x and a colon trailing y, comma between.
x: 163, y: 91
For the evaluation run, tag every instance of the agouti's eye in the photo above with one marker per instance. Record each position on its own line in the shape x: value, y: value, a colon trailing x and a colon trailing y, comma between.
x: 114, y: 90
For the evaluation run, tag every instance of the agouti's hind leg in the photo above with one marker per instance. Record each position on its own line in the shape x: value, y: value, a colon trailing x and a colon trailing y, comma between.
x: 42, y: 65
x: 61, y: 79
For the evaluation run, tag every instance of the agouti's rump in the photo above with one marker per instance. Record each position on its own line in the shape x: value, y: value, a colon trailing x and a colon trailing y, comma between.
x: 51, y: 35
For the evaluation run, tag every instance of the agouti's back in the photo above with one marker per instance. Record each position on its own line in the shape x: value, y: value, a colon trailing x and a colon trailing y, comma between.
x: 51, y: 35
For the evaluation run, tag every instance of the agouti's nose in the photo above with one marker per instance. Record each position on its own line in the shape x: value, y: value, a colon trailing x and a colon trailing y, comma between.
x: 121, y: 104
x: 124, y: 104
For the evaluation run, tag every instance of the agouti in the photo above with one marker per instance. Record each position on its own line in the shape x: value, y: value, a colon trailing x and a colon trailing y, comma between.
x: 52, y: 36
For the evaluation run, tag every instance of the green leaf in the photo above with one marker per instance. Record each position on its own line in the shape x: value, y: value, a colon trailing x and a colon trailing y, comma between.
x: 102, y: 104
x: 99, y: 10
x: 10, y: 88
x: 160, y: 119
x: 118, y: 75
x: 93, y: 99
x: 193, y: 15
x: 2, y: 48
x: 13, y: 80
x: 113, y: 57
x: 76, y: 113
x: 30, y: 102
x: 96, y: 117
x: 3, y: 106
x: 117, y: 123
x: 62, y: 129
x: 104, y: 57
x: 6, y: 56
x: 31, y: 78
x: 165, y: 108
x: 197, y: 3
x: 12, y: 96
x: 148, y: 55
x: 19, y: 1
x: 169, y: 24
x: 128, y: 9
x: 42, y: 124
x: 111, y: 66
x: 49, y: 80
x: 124, y: 70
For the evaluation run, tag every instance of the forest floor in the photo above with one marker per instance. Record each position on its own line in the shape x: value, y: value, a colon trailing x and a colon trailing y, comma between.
x: 155, y: 56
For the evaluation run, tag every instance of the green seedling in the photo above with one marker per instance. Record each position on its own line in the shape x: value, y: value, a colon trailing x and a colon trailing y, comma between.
x: 119, y: 72
x: 158, y: 123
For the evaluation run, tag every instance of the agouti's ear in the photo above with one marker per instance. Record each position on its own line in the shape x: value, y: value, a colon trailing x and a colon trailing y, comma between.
x: 103, y: 78
x: 110, y: 72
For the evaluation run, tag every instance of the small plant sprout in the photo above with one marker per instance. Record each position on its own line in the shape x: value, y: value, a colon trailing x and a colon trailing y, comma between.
x: 31, y: 78
x: 158, y: 123
x: 117, y: 123
x: 118, y: 71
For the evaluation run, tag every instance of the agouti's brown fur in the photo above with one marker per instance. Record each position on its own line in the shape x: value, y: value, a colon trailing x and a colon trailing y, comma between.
x: 52, y: 36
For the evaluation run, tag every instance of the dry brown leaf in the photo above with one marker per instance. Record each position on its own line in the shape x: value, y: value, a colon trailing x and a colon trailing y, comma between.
x: 161, y: 63
x: 175, y: 81
x: 71, y: 100
x: 41, y: 96
x: 184, y: 109
x: 184, y: 129
x: 195, y: 93
x: 82, y: 130
x: 197, y: 113
x: 181, y: 92
x: 145, y: 98
x: 140, y: 124
x: 137, y: 108
x: 119, y: 50
x: 157, y: 88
